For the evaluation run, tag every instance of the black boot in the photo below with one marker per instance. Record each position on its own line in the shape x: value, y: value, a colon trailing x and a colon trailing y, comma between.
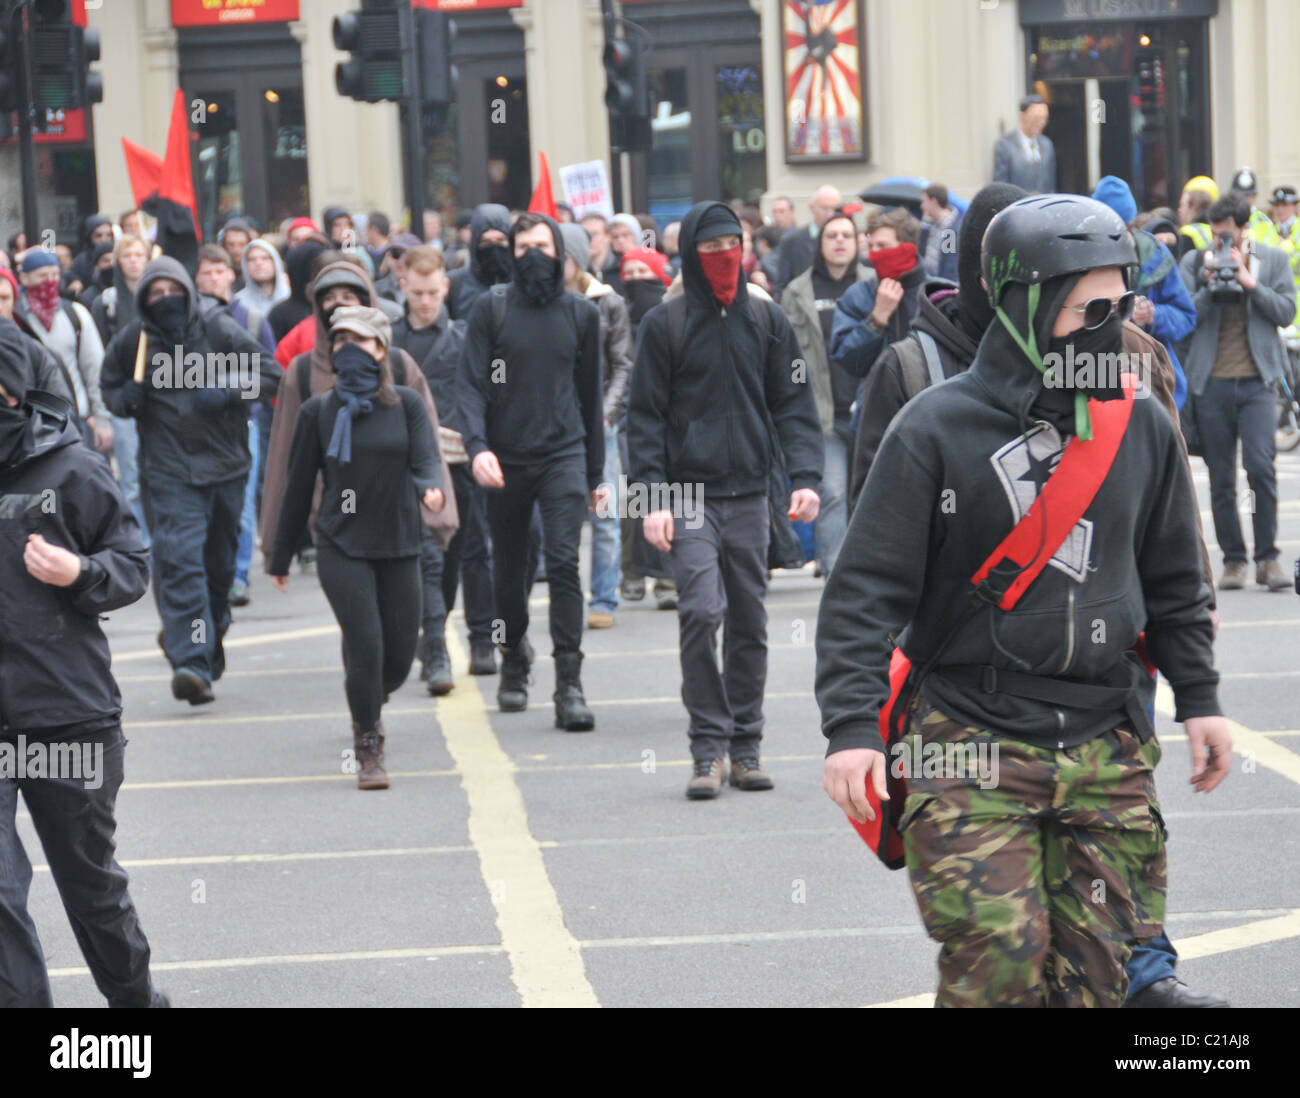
x: 482, y: 658
x: 435, y: 670
x: 571, y: 712
x: 512, y: 689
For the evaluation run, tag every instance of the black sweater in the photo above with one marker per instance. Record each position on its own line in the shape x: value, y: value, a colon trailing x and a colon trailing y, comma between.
x: 370, y: 507
x: 533, y: 391
x: 935, y: 505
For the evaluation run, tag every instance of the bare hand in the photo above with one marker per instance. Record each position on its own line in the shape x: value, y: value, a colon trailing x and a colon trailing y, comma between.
x: 1144, y: 312
x: 889, y: 295
x: 804, y: 505
x: 49, y: 563
x: 1211, y: 745
x: 658, y: 527
x: 102, y: 431
x: 1248, y: 281
x: 434, y: 499
x: 487, y: 470
x: 1214, y: 621
x: 845, y: 781
x: 280, y: 583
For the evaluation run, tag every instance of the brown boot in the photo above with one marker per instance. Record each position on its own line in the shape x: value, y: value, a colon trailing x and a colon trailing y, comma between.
x: 370, y: 757
x: 1234, y: 576
x: 1269, y: 574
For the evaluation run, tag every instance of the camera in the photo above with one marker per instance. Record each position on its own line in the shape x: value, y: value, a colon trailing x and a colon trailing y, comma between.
x: 1224, y: 287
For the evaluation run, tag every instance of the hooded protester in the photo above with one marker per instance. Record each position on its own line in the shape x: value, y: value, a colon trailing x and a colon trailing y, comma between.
x: 535, y: 435
x: 95, y: 230
x: 44, y: 372
x: 366, y: 440
x: 102, y: 262
x: 1008, y: 663
x: 60, y: 570
x: 489, y: 259
x: 645, y: 276
x: 236, y: 235
x: 717, y: 402
x: 615, y: 369
x: 192, y: 415
x: 809, y: 301
x: 265, y: 282
x: 338, y: 226
x: 336, y: 284
x: 289, y: 311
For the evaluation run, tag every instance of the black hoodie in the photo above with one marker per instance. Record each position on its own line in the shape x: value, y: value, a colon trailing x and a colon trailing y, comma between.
x: 470, y: 283
x: 289, y: 313
x: 186, y: 433
x: 83, y: 264
x: 699, y: 419
x: 531, y: 391
x: 947, y: 498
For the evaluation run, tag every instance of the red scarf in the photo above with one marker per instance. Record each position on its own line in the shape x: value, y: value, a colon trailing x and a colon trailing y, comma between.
x: 894, y: 262
x: 44, y: 300
x: 722, y: 269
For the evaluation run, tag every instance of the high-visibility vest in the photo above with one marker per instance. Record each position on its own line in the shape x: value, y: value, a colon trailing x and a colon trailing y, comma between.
x: 1261, y: 227
x: 1198, y: 232
x: 1290, y: 243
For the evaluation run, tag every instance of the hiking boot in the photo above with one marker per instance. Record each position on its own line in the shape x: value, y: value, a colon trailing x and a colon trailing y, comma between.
x: 632, y: 590
x: 482, y: 658
x: 435, y: 666
x: 747, y: 774
x: 192, y: 687
x: 1234, y: 576
x: 571, y: 712
x: 666, y: 594
x: 369, y: 746
x: 706, y: 782
x: 1268, y: 573
x: 512, y: 691
x: 239, y: 594
x: 1172, y: 993
x: 600, y: 619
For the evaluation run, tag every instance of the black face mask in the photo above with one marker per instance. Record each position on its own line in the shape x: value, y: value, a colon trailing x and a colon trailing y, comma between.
x: 494, y: 262
x: 1096, y: 378
x: 13, y: 426
x: 104, y: 278
x: 539, y: 276
x: 170, y: 314
x: 642, y: 295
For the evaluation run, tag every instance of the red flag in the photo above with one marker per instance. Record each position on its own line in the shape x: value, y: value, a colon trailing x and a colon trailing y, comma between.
x: 543, y: 201
x: 144, y: 169
x: 177, y: 184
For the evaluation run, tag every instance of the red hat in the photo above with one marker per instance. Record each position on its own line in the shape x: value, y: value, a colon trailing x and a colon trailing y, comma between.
x: 13, y: 281
x: 656, y: 261
x: 303, y: 223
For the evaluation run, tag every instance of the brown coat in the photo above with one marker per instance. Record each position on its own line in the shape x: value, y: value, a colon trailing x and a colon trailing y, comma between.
x: 405, y: 371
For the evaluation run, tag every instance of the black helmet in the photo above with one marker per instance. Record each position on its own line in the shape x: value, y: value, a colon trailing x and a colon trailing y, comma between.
x: 1048, y: 235
x: 1245, y: 182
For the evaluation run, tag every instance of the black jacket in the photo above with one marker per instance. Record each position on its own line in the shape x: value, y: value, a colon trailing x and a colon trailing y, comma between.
x: 54, y: 658
x: 470, y: 283
x: 794, y: 255
x: 114, y: 309
x: 885, y: 393
x: 439, y: 348
x: 182, y: 435
x: 935, y: 505
x: 699, y: 419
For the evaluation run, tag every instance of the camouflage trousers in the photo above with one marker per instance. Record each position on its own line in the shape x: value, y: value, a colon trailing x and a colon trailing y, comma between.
x: 1039, y: 885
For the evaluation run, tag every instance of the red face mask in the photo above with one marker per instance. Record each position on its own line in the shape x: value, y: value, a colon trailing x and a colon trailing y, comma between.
x: 722, y: 269
x: 894, y: 262
x: 43, y: 298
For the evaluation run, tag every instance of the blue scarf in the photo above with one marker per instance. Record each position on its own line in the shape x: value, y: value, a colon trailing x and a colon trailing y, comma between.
x: 358, y: 377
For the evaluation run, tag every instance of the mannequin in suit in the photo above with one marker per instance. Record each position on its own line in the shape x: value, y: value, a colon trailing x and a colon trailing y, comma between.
x: 1026, y: 157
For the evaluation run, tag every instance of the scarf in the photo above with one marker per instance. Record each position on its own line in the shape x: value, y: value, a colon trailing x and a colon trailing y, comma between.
x: 894, y: 262
x: 358, y: 378
x: 722, y: 269
x: 43, y: 298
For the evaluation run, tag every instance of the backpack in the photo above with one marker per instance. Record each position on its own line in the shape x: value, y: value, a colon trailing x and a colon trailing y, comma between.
x: 784, y: 549
x: 498, y: 292
x: 919, y: 363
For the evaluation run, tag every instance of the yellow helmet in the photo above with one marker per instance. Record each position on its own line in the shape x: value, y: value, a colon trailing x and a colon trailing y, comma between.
x: 1202, y: 183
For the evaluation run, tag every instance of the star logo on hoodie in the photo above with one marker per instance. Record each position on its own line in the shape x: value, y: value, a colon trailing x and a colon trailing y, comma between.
x: 1022, y: 466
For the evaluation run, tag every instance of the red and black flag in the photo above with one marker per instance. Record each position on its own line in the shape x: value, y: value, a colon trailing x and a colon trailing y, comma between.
x: 164, y: 189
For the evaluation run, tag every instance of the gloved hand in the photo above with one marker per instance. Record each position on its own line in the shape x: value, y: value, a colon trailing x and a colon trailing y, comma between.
x: 210, y: 401
x: 132, y: 395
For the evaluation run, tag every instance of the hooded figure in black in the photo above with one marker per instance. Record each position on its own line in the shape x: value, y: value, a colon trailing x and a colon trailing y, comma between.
x: 198, y: 375
x: 70, y: 551
x: 83, y: 264
x: 530, y: 402
x: 715, y: 390
x: 956, y: 321
x: 289, y: 313
x: 489, y: 264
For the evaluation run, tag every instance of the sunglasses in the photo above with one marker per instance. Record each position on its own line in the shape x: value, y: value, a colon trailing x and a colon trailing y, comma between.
x: 1098, y: 310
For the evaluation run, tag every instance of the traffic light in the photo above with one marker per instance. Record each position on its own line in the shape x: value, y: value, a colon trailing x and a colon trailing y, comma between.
x: 627, y: 94
x: 9, y: 68
x: 88, y: 86
x: 51, y: 44
x: 437, y: 73
x: 375, y: 36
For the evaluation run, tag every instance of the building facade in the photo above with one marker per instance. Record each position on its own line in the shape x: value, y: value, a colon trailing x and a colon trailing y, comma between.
x: 753, y: 99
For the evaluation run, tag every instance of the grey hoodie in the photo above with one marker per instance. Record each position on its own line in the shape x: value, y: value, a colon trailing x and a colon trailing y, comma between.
x: 252, y: 296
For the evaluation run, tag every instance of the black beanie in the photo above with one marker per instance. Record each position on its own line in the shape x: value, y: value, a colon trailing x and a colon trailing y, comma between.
x: 718, y: 220
x: 974, y: 313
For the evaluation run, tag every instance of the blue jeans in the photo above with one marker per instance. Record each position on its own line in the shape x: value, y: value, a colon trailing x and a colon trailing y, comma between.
x: 126, y: 445
x: 248, y: 520
x: 833, y: 518
x: 606, y: 548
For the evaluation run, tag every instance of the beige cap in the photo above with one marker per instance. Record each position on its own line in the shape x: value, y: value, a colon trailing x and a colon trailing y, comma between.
x: 363, y: 320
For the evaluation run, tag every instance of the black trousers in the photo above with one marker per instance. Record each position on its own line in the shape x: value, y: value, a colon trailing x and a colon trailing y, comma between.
x: 468, y: 559
x: 1226, y: 411
x: 195, y: 532
x: 721, y: 573
x: 559, y: 487
x: 433, y: 610
x: 377, y: 605
x: 73, y: 816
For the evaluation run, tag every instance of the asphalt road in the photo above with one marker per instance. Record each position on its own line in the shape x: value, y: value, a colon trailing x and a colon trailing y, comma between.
x: 513, y: 863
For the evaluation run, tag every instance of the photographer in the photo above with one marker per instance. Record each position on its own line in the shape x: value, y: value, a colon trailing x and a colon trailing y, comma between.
x: 1243, y: 292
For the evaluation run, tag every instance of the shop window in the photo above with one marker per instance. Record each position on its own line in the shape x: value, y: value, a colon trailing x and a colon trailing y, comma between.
x: 218, y: 158
x: 284, y: 133
x: 669, y: 164
x: 742, y: 139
